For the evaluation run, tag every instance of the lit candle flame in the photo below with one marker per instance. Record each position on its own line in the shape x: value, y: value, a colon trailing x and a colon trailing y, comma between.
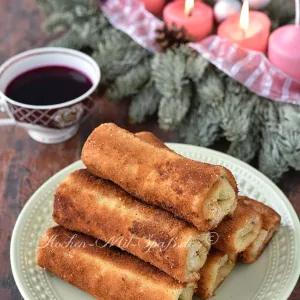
x: 244, y: 18
x: 189, y: 4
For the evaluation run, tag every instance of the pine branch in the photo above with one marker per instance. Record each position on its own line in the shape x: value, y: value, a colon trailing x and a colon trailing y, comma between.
x: 249, y: 147
x: 237, y: 111
x: 169, y: 72
x: 131, y: 82
x: 196, y: 66
x: 59, y: 6
x: 58, y: 22
x: 144, y: 104
x: 49, y: 7
x: 172, y: 110
x: 201, y: 127
x: 289, y: 133
x: 117, y: 54
x: 271, y: 160
x: 289, y: 116
x: 210, y: 89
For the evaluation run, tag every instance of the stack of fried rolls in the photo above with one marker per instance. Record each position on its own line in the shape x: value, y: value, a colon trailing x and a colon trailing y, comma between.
x: 200, y: 193
x: 100, y: 208
x: 218, y: 264
x: 162, y: 210
x: 244, y: 234
x: 106, y: 272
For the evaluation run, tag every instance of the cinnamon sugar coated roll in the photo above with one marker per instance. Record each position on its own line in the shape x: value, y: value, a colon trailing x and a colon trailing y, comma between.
x: 270, y: 224
x: 215, y: 270
x: 150, y: 138
x: 105, y: 272
x: 239, y: 230
x: 199, y: 193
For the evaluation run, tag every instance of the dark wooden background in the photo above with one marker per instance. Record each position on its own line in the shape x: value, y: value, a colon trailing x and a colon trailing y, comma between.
x: 25, y: 164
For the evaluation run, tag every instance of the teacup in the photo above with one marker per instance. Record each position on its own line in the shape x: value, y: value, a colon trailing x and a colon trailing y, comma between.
x: 48, y: 123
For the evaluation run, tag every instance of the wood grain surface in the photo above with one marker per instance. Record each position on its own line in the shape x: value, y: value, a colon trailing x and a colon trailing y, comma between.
x: 25, y: 164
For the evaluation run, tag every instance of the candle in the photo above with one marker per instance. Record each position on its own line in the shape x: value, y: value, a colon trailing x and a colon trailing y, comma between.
x: 196, y: 18
x: 154, y: 6
x: 248, y: 29
x: 284, y: 47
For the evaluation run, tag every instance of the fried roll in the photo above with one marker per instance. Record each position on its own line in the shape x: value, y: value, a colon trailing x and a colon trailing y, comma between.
x: 215, y: 270
x: 238, y: 230
x: 105, y: 272
x: 199, y: 193
x: 100, y: 208
x: 270, y: 224
x: 150, y: 138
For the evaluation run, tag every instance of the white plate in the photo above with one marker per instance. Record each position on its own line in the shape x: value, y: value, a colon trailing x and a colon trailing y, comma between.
x: 273, y: 276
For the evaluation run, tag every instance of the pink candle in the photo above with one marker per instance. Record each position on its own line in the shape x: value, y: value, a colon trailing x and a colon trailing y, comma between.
x: 154, y: 6
x: 250, y: 31
x: 197, y: 19
x: 284, y: 50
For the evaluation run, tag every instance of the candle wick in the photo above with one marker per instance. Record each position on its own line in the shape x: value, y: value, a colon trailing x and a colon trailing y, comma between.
x: 243, y: 33
x: 190, y: 13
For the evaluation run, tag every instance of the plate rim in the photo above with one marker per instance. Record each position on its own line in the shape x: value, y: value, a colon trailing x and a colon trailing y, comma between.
x: 26, y: 208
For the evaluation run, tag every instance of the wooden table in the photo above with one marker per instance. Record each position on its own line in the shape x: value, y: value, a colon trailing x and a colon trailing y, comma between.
x: 25, y: 164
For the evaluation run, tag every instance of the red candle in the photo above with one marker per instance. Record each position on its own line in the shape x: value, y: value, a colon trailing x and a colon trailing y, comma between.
x: 154, y: 6
x: 284, y: 50
x: 196, y: 18
x: 248, y: 29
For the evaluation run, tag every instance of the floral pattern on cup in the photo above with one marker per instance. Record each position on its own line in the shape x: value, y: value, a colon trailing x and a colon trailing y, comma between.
x: 68, y: 116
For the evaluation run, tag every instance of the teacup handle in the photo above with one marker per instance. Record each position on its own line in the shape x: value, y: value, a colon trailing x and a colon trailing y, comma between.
x: 6, y: 121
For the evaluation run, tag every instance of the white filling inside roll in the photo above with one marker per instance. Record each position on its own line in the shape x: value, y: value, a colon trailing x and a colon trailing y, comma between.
x: 225, y: 266
x: 264, y: 236
x: 247, y: 235
x: 221, y: 202
x: 188, y: 292
x: 258, y: 243
x: 197, y: 254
